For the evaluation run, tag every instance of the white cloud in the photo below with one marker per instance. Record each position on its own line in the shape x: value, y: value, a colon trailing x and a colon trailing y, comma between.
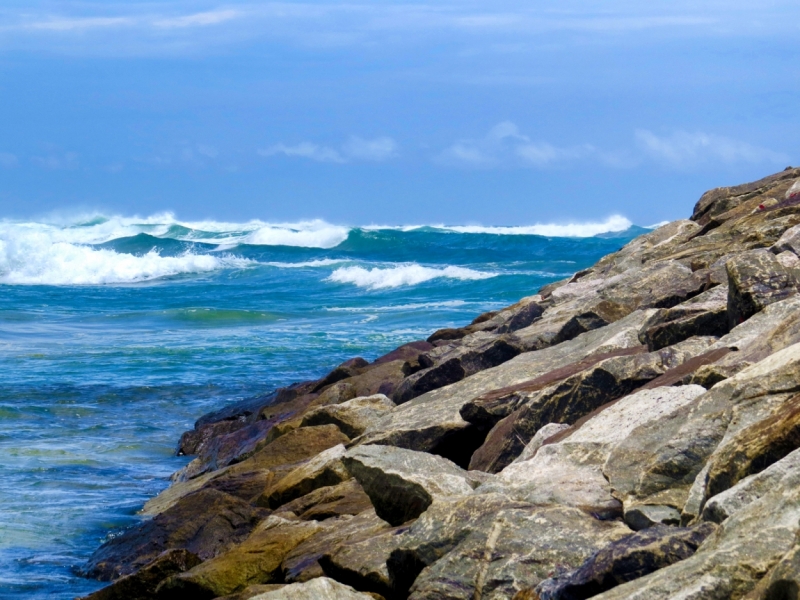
x: 381, y: 148
x: 305, y: 150
x: 201, y: 19
x: 79, y: 24
x: 355, y: 148
x: 8, y: 160
x: 505, y: 145
x: 685, y: 149
x: 68, y: 160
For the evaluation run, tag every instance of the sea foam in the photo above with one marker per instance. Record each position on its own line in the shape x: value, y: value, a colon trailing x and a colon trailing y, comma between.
x: 35, y: 257
x: 412, y: 274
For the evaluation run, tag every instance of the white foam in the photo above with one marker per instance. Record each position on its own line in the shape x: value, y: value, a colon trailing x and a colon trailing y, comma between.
x: 580, y: 230
x: 36, y: 257
x: 323, y: 262
x: 411, y: 274
x: 399, y: 307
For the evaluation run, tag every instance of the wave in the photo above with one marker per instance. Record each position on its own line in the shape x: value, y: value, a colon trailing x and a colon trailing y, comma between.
x: 413, y: 274
x: 99, y: 229
x: 36, y: 258
x: 400, y: 307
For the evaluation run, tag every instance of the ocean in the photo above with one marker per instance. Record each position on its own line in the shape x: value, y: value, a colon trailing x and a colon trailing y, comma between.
x: 117, y: 333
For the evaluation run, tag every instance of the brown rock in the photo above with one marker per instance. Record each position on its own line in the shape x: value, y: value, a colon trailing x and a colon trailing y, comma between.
x: 347, y: 498
x: 302, y: 563
x: 755, y: 448
x: 351, y: 417
x: 755, y: 280
x: 142, y: 584
x: 205, y: 523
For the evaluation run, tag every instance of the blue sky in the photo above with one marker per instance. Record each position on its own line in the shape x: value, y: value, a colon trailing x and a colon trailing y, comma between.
x: 501, y: 113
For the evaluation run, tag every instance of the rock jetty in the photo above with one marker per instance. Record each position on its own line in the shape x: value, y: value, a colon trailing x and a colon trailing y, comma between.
x: 631, y: 432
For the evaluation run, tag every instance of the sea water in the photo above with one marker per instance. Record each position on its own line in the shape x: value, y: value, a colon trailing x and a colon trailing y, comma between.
x: 117, y: 333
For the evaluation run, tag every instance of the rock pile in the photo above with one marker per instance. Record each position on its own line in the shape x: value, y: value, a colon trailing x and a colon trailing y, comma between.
x: 632, y: 432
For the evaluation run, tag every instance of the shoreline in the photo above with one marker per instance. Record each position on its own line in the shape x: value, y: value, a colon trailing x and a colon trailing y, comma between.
x: 523, y: 454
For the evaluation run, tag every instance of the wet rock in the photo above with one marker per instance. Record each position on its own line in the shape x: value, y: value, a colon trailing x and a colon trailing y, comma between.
x: 316, y: 589
x: 575, y: 397
x: 346, y: 498
x: 302, y: 563
x: 352, y: 417
x: 325, y: 469
x: 463, y: 549
x: 402, y: 483
x: 624, y: 560
x: 205, y: 523
x: 195, y: 440
x: 256, y: 560
x: 568, y: 472
x: 347, y: 369
x: 407, y: 352
x: 224, y: 450
x: 142, y: 584
x: 755, y: 280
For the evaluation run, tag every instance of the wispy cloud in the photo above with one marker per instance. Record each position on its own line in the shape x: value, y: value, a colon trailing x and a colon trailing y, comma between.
x: 67, y: 160
x: 355, y: 148
x: 79, y: 24
x: 683, y: 149
x: 201, y: 19
x: 505, y: 145
x: 8, y: 160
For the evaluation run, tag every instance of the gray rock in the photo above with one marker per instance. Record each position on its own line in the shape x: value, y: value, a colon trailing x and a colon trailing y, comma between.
x: 325, y: 469
x: 755, y: 280
x: 403, y: 483
x: 433, y: 423
x: 625, y: 560
x: 539, y: 438
x: 788, y: 242
x: 353, y: 416
x: 322, y: 588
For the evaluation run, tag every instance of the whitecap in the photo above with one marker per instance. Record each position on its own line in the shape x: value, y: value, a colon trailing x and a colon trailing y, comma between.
x: 411, y: 274
x: 35, y: 257
x: 323, y: 262
x: 580, y: 230
x: 410, y: 306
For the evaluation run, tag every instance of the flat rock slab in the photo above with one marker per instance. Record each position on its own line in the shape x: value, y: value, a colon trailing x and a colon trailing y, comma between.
x: 352, y: 417
x: 316, y: 589
x: 346, y: 498
x: 402, y: 483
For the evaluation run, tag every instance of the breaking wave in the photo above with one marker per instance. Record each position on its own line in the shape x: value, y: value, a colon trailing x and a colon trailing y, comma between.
x: 378, y: 278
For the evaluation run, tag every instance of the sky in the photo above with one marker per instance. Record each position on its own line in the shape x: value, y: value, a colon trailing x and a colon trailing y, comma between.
x: 494, y: 113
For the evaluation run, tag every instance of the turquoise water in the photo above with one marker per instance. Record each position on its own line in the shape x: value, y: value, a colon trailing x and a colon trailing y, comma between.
x: 116, y: 334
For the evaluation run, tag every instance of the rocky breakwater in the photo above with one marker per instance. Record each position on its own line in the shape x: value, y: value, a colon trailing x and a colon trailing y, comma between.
x: 632, y: 432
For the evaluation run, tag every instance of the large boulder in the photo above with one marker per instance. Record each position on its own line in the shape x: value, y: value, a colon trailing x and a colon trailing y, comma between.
x: 325, y: 469
x: 568, y: 472
x: 491, y: 547
x: 575, y: 397
x: 205, y: 523
x: 256, y: 560
x: 626, y: 559
x: 433, y: 423
x: 353, y: 416
x: 267, y: 464
x: 316, y: 589
x: 403, y: 483
x: 733, y: 559
x: 346, y: 498
x: 142, y: 584
x: 302, y: 563
x: 755, y: 280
